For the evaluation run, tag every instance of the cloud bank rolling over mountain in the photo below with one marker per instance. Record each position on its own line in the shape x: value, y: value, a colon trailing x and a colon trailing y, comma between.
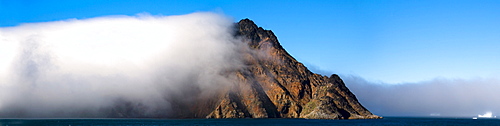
x: 79, y: 68
x: 101, y: 66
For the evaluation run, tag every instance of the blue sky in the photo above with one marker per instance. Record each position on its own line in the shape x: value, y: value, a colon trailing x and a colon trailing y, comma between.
x: 392, y: 41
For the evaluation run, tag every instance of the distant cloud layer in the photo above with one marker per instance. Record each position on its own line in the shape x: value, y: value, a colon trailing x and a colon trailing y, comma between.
x: 80, y: 68
x: 443, y: 97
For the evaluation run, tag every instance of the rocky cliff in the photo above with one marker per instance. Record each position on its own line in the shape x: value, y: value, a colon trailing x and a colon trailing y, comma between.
x: 275, y: 85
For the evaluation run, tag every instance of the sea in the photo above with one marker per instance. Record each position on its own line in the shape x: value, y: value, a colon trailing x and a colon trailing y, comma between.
x: 388, y: 121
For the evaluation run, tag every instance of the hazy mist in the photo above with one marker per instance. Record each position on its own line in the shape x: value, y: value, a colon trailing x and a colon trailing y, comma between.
x: 82, y: 68
x: 438, y: 97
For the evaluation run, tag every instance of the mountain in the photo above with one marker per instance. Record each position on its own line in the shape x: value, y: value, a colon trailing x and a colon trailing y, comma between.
x: 271, y: 84
x: 276, y: 85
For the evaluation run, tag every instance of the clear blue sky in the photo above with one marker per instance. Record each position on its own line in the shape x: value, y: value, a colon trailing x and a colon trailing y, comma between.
x: 381, y: 40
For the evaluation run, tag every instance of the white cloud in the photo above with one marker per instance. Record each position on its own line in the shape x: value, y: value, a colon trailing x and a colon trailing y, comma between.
x: 75, y: 68
x: 448, y: 97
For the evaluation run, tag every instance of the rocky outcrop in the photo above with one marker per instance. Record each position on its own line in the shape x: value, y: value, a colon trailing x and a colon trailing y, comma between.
x: 275, y: 85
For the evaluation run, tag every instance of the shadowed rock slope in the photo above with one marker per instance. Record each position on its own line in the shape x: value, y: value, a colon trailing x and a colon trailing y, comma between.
x: 275, y: 85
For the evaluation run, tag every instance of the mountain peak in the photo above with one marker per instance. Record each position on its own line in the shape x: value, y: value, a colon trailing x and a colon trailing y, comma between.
x: 278, y: 86
x: 247, y: 21
x: 256, y: 35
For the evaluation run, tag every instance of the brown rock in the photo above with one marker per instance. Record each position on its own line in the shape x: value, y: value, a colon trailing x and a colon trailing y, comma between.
x: 275, y: 85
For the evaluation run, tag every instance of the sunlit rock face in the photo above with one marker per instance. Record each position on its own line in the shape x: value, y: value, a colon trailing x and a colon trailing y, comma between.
x: 275, y: 85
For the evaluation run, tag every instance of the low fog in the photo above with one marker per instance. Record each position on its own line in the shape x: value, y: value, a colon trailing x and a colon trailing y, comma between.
x: 438, y: 97
x: 83, y: 68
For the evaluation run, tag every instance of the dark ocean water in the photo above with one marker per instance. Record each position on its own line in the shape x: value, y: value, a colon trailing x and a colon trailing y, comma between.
x: 282, y: 122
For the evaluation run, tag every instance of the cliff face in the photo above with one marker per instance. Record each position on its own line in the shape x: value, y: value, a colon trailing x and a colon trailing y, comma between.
x: 275, y: 85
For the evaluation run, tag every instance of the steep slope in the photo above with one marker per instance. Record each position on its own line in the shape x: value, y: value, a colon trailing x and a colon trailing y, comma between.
x: 275, y: 85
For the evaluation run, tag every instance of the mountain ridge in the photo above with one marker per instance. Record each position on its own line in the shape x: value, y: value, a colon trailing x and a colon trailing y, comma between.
x: 276, y: 85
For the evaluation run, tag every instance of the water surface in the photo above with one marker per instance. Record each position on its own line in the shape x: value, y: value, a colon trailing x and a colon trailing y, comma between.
x: 218, y: 122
